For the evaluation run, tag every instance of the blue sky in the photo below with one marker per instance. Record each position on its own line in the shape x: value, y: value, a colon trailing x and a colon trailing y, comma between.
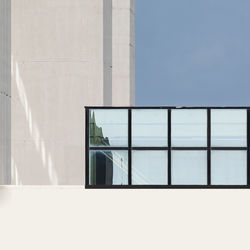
x: 193, y: 52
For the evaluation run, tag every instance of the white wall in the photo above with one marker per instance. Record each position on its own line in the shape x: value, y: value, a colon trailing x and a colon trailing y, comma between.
x: 62, y: 60
x: 75, y: 218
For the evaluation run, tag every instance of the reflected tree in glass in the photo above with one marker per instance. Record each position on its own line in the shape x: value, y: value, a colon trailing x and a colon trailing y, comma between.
x: 108, y: 128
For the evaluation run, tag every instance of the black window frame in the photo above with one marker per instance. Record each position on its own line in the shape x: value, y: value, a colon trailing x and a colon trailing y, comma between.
x: 169, y: 148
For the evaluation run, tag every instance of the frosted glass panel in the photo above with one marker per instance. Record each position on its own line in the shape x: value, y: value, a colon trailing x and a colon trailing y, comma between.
x: 149, y: 167
x: 108, y: 167
x: 228, y: 167
x: 189, y: 167
x: 108, y: 127
x: 228, y: 127
x: 189, y: 128
x: 149, y: 127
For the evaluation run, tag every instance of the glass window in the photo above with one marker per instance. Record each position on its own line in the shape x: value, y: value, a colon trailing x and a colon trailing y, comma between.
x: 150, y: 167
x: 108, y: 167
x: 228, y: 167
x: 189, y: 128
x: 149, y: 128
x: 108, y: 127
x: 189, y: 167
x: 228, y: 127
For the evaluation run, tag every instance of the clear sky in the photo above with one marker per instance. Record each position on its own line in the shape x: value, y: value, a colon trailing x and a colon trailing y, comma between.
x: 193, y: 52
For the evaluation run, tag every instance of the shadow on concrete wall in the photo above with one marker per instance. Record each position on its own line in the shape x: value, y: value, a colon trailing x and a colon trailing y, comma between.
x: 34, y: 132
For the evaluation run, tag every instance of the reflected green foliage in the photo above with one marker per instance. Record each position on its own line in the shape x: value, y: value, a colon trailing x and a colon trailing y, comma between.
x: 101, y: 164
x: 96, y: 135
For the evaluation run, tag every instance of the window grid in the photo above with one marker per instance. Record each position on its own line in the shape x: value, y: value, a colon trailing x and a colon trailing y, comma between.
x: 169, y: 148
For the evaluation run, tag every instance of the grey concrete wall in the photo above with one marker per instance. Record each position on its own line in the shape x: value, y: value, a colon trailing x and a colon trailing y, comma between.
x: 107, y: 52
x: 5, y: 91
x: 62, y: 60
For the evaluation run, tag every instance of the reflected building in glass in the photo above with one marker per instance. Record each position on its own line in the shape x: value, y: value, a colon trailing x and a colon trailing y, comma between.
x: 168, y: 147
x: 101, y: 164
x: 107, y: 167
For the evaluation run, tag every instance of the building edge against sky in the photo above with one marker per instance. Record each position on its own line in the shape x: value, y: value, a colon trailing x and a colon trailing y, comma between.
x: 65, y: 54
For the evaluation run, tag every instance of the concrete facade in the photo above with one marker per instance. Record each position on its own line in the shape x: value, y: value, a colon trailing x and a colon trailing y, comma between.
x: 123, y: 57
x: 65, y: 54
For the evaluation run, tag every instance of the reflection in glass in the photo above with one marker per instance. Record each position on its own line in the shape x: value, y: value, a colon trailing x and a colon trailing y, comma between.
x: 108, y: 127
x: 228, y: 127
x: 108, y: 167
x: 149, y: 127
x: 189, y: 167
x: 189, y: 127
x: 149, y: 167
x: 228, y: 167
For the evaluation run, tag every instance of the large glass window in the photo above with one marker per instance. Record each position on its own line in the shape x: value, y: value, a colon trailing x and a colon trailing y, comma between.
x: 108, y: 127
x: 150, y: 167
x: 149, y: 127
x: 108, y: 167
x: 189, y: 128
x: 189, y: 167
x: 228, y: 128
x: 143, y: 147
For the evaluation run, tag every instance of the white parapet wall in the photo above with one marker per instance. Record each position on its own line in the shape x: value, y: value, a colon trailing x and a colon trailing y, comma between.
x: 61, y: 217
x: 63, y: 56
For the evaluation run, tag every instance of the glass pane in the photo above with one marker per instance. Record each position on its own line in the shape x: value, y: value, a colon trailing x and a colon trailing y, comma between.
x: 228, y: 167
x: 189, y: 167
x: 108, y: 127
x: 149, y: 128
x: 108, y: 167
x: 149, y: 167
x: 228, y: 127
x: 189, y: 128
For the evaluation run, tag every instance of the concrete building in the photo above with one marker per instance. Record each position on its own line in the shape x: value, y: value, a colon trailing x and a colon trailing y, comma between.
x: 65, y: 54
x: 55, y: 58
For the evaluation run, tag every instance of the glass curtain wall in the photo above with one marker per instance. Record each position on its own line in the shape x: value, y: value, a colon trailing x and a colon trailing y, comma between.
x: 166, y: 147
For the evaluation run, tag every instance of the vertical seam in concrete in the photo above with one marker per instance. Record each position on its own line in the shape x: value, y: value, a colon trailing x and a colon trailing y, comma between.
x: 8, y: 177
x: 107, y: 52
x: 5, y: 81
